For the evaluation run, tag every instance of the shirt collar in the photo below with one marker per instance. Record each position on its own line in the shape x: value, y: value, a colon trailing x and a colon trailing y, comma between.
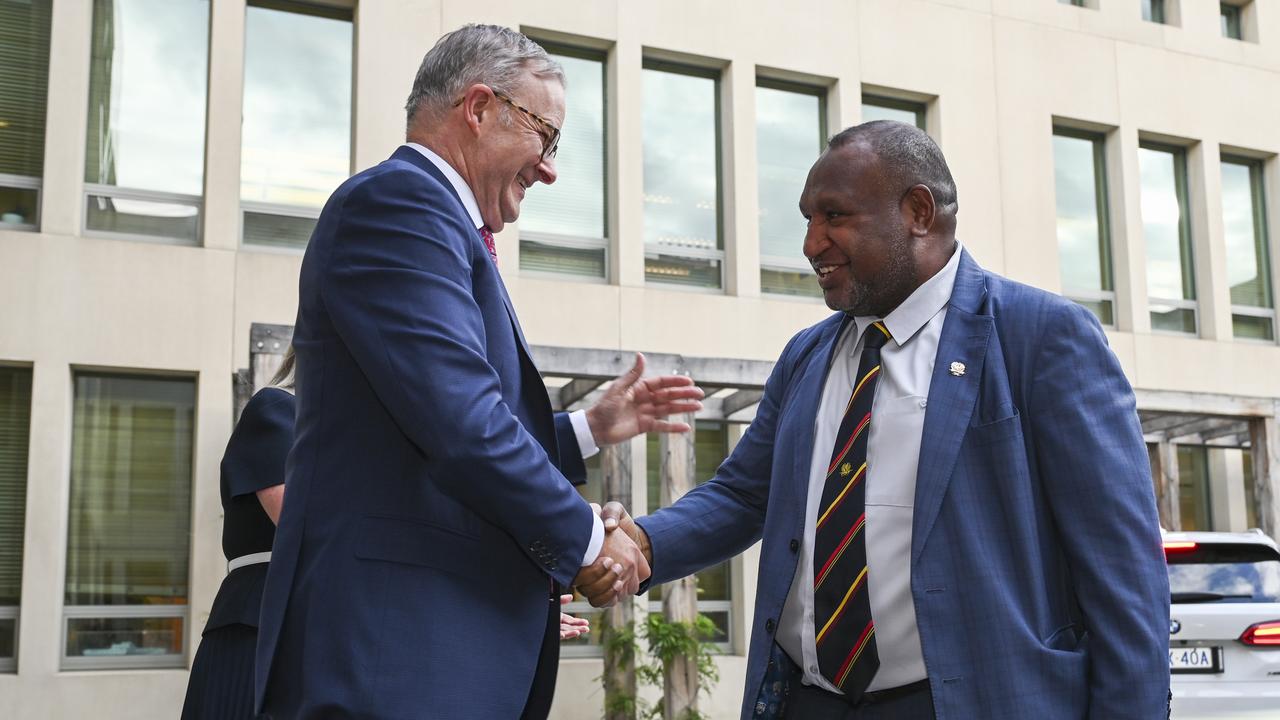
x: 459, y: 185
x: 919, y: 307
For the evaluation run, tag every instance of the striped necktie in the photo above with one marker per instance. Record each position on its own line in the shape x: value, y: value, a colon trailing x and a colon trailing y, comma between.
x: 842, y: 609
x: 487, y: 236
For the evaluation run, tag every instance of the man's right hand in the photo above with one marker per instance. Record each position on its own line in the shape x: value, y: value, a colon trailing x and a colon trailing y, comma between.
x: 615, y: 516
x: 620, y: 569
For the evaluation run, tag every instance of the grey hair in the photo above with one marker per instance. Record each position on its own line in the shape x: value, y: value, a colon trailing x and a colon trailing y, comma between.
x: 909, y: 155
x: 490, y: 54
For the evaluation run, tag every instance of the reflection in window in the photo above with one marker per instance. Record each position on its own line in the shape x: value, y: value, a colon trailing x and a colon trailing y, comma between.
x: 129, y: 525
x: 715, y: 588
x: 681, y: 120
x: 15, y: 432
x: 790, y: 132
x: 1193, y: 487
x: 562, y: 225
x: 1231, y: 20
x: 875, y: 107
x: 1244, y: 221
x: 1084, y: 248
x: 24, y: 81
x: 1170, y: 274
x: 296, y: 142
x: 146, y: 116
x: 1153, y: 11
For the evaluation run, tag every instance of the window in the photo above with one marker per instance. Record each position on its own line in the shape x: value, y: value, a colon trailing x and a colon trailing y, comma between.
x: 129, y: 526
x: 24, y: 81
x: 1074, y: 3
x: 1084, y: 247
x: 562, y: 226
x: 1238, y: 572
x: 1193, y: 487
x: 1170, y: 276
x: 15, y: 429
x: 876, y: 107
x: 1232, y: 20
x: 682, y: 208
x: 715, y: 586
x: 144, y: 161
x: 1244, y: 221
x: 296, y: 141
x: 1153, y: 11
x: 790, y: 133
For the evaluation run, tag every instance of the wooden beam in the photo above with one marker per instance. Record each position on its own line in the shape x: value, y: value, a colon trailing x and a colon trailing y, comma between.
x: 1166, y: 477
x: 1200, y: 426
x: 619, y: 676
x: 1265, y: 438
x: 575, y: 390
x: 1203, y: 403
x: 740, y: 400
x: 679, y: 598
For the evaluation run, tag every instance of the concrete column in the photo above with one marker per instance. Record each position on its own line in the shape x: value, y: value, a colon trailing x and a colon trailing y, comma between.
x: 1264, y: 434
x: 624, y: 103
x: 1166, y: 472
x: 222, y: 132
x: 1204, y: 191
x: 1226, y: 490
x: 679, y: 598
x: 1128, y: 245
x: 741, y: 201
x: 66, y: 118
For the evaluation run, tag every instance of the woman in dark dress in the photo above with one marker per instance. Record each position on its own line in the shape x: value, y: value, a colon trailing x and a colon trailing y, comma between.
x: 221, y: 684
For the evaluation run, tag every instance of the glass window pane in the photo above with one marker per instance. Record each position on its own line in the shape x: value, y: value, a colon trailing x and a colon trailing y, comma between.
x: 130, y: 506
x: 19, y: 207
x: 296, y: 142
x: 1193, y: 487
x: 8, y: 638
x: 1244, y: 223
x: 549, y: 258
x: 1080, y: 189
x: 1170, y: 319
x: 574, y: 204
x: 1153, y: 11
x: 882, y: 108
x: 1230, y: 20
x: 24, y: 80
x: 1253, y: 327
x: 1163, y: 173
x: 789, y: 137
x: 15, y: 433
x: 143, y: 217
x: 262, y: 228
x: 681, y: 174
x: 121, y: 637
x: 147, y: 90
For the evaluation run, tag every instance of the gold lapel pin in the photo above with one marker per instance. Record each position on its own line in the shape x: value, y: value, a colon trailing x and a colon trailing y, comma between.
x: 957, y: 368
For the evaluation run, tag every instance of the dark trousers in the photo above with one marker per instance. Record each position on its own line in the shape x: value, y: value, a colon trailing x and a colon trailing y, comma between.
x: 807, y: 702
x: 538, y: 706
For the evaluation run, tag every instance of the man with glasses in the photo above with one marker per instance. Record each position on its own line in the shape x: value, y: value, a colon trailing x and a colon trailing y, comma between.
x: 430, y: 522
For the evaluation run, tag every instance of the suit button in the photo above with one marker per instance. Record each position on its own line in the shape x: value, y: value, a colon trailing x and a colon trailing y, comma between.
x: 795, y: 545
x: 768, y: 626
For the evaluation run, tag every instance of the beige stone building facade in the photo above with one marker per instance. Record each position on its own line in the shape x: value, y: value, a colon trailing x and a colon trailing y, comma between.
x: 161, y: 162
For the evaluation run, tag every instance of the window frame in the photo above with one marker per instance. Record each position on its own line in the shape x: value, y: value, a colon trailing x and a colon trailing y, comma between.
x: 1186, y: 242
x: 1262, y: 245
x: 1106, y: 248
x: 574, y: 242
x: 116, y: 192
x: 24, y: 182
x: 1231, y: 20
x: 1158, y: 12
x: 719, y: 255
x: 9, y: 663
x: 919, y: 108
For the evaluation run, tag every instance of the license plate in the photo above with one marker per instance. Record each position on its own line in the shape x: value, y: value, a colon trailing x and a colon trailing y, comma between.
x: 1195, y: 660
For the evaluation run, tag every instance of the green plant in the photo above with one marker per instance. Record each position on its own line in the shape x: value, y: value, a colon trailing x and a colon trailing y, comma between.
x: 667, y: 641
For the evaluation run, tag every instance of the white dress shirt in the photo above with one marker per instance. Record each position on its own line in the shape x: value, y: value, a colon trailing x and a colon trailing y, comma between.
x: 581, y: 430
x: 893, y: 454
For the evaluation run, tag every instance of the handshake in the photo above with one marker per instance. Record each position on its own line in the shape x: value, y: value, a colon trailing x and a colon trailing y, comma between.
x: 623, y: 562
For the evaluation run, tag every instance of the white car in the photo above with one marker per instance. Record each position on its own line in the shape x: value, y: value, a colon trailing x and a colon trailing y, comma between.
x: 1224, y: 626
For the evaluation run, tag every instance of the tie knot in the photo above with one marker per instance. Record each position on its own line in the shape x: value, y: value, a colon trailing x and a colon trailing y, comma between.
x: 487, y: 236
x: 876, y: 336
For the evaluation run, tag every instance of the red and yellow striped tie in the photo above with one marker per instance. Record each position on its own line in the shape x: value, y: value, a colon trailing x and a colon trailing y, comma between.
x: 842, y: 610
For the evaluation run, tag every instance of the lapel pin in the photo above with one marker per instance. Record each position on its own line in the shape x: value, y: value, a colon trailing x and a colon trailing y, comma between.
x: 957, y: 368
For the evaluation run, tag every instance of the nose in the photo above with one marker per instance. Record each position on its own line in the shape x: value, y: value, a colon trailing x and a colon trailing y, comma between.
x: 547, y: 170
x: 815, y: 239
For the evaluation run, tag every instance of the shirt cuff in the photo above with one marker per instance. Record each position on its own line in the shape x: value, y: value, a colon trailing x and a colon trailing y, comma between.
x: 597, y: 542
x: 582, y: 430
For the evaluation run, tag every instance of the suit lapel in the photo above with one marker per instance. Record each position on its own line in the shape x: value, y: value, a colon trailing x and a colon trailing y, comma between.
x: 952, y: 397
x: 807, y: 402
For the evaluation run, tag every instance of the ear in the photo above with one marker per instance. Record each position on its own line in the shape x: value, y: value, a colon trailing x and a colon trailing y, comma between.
x: 919, y: 210
x: 478, y: 106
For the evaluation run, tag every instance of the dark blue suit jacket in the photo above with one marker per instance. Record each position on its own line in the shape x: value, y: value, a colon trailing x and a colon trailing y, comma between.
x: 1037, y: 571
x: 427, y: 509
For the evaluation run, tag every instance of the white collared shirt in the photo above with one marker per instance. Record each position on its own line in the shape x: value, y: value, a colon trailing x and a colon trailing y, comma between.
x: 581, y: 430
x: 893, y: 454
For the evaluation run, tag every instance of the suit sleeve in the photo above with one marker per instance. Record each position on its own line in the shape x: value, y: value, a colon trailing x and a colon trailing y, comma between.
x: 260, y: 443
x: 1097, y: 478
x: 725, y: 515
x: 572, y: 465
x: 398, y: 288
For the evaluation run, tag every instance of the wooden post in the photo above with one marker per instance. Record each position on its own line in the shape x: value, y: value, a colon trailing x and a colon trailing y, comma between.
x: 1167, y: 486
x: 1264, y: 436
x: 680, y: 598
x: 619, y: 675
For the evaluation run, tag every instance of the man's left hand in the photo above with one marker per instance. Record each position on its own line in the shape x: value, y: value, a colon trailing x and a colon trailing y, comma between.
x: 633, y: 405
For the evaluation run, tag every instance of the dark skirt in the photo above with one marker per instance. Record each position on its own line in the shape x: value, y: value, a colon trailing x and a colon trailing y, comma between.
x: 221, y: 685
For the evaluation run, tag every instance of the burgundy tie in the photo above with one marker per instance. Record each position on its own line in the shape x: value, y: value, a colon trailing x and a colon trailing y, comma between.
x: 487, y: 236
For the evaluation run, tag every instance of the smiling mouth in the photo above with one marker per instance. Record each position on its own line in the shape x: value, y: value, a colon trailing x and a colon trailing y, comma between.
x: 824, y: 270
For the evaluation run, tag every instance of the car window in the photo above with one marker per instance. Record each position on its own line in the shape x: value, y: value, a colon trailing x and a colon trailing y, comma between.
x: 1237, y: 573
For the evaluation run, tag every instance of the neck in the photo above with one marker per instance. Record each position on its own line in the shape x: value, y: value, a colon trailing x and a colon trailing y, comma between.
x: 447, y: 148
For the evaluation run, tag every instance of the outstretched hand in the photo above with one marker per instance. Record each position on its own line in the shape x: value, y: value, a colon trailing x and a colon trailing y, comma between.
x: 570, y: 626
x: 634, y: 404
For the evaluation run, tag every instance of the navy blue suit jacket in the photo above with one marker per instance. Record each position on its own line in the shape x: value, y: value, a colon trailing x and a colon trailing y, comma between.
x: 1037, y: 572
x: 427, y: 509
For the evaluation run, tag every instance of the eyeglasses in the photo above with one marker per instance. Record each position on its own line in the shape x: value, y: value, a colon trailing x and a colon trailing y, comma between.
x: 547, y: 130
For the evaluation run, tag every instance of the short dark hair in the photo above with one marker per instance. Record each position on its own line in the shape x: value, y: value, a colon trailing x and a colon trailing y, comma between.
x: 908, y: 154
